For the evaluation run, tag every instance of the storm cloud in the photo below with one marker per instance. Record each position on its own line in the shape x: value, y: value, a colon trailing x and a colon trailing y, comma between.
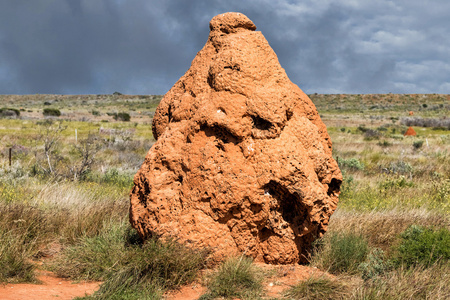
x: 143, y: 47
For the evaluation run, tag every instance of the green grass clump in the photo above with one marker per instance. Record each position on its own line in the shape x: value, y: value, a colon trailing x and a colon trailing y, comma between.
x: 237, y: 277
x: 14, y: 259
x: 340, y: 253
x: 317, y: 288
x: 421, y: 245
x: 130, y: 269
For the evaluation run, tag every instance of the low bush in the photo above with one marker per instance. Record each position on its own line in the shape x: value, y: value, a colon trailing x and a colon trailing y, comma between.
x: 371, y: 134
x: 116, y: 178
x: 362, y: 128
x: 443, y: 123
x: 417, y: 144
x: 421, y: 245
x: 351, y: 164
x: 384, y: 143
x: 399, y: 167
x: 394, y: 182
x: 9, y: 112
x: 376, y: 265
x: 54, y: 112
x: 237, y: 277
x: 122, y: 116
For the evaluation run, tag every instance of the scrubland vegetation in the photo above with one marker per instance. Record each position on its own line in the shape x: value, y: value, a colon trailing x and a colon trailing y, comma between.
x: 64, y: 201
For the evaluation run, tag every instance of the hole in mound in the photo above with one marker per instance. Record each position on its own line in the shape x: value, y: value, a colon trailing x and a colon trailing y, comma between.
x: 220, y: 133
x: 265, y: 233
x: 289, y: 115
x: 261, y: 124
x: 334, y: 187
x: 290, y: 207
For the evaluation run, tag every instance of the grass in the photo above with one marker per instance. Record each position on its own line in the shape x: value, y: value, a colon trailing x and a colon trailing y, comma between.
x: 128, y: 267
x: 417, y: 283
x: 15, y: 266
x: 318, y: 288
x: 393, y: 211
x: 340, y: 253
x: 237, y: 277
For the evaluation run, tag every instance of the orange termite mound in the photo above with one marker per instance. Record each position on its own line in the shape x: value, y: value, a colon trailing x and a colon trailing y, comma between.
x: 242, y: 161
x: 410, y: 132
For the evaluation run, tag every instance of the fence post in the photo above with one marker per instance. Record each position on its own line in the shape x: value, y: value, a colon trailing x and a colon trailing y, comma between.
x: 10, y: 157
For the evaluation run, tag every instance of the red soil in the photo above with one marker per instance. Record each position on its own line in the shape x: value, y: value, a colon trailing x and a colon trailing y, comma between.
x: 52, y: 287
x: 284, y: 276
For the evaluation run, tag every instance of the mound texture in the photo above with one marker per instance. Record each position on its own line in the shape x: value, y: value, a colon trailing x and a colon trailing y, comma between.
x: 242, y: 161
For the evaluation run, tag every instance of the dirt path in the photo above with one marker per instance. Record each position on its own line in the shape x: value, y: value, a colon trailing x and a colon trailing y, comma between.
x: 52, y: 287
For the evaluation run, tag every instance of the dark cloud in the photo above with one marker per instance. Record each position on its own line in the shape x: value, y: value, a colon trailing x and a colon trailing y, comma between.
x: 143, y: 47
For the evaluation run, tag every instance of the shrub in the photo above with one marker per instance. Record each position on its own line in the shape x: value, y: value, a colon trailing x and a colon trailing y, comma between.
x: 114, y: 177
x: 9, y: 112
x: 362, y: 128
x: 417, y: 144
x: 95, y: 113
x: 371, y: 134
x: 51, y: 112
x: 236, y: 277
x: 351, y: 163
x: 122, y: 116
x: 399, y: 167
x: 340, y: 252
x: 443, y: 123
x: 375, y: 265
x: 395, y: 182
x: 317, y: 288
x: 420, y: 245
x: 384, y: 144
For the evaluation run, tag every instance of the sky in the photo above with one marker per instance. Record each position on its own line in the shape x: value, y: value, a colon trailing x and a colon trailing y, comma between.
x: 145, y: 46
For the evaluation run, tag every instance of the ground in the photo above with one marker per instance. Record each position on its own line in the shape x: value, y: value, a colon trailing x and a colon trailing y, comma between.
x: 52, y: 287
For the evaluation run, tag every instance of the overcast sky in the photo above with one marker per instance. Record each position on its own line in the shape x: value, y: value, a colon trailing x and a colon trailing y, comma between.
x: 145, y: 46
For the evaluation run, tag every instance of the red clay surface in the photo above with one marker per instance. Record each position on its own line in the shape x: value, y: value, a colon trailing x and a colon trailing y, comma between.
x: 52, y: 287
x: 284, y: 276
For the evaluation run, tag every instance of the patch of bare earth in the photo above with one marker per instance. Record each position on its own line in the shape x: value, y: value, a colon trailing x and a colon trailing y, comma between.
x: 51, y: 287
x: 280, y: 279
